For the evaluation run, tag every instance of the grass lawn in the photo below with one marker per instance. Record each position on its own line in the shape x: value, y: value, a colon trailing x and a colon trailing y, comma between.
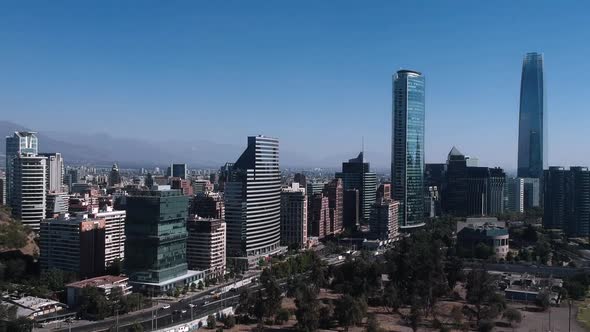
x: 584, y: 313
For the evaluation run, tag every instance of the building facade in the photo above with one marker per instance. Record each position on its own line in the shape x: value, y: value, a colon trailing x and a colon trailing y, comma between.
x: 55, y: 172
x: 74, y: 244
x: 114, y: 234
x: 20, y: 143
x: 253, y: 202
x: 294, y: 216
x: 57, y: 203
x: 318, y: 215
x: 407, y: 156
x: 514, y: 195
x: 334, y: 190
x: 532, y: 125
x: 155, y: 246
x: 29, y: 197
x: 356, y: 174
x: 384, y: 219
x: 205, y: 247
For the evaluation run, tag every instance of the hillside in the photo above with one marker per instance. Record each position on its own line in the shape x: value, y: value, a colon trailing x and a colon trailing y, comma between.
x: 14, y: 236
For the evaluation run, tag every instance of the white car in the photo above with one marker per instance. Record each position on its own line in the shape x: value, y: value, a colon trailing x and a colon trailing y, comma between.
x: 166, y: 306
x: 191, y: 305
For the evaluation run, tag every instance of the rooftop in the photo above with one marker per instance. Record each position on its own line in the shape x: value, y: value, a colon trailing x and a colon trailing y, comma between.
x: 97, y: 281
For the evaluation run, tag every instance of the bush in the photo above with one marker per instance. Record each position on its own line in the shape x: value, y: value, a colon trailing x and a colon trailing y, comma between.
x: 282, y: 316
x: 211, y: 322
x: 229, y: 321
x: 485, y: 326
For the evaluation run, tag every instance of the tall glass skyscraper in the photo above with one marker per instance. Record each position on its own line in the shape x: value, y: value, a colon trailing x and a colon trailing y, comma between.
x: 407, y: 155
x: 532, y: 129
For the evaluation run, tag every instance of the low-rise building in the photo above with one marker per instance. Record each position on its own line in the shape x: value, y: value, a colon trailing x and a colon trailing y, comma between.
x: 494, y: 236
x: 34, y: 307
x: 105, y: 284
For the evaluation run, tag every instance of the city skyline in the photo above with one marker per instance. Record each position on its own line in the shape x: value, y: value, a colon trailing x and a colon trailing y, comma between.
x: 337, y: 76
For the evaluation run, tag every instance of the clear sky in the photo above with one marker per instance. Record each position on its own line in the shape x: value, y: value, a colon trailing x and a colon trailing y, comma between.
x: 316, y: 74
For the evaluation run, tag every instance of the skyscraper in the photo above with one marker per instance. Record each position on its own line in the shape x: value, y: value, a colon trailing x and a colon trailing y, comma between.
x: 532, y: 126
x: 356, y: 174
x: 114, y: 176
x: 514, y: 196
x: 294, y: 216
x: 155, y: 245
x: 28, y: 194
x: 407, y: 155
x: 22, y: 142
x: 334, y: 190
x: 253, y: 202
x: 179, y: 171
x: 55, y: 172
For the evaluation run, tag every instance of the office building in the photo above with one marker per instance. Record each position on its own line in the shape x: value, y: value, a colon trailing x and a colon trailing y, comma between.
x: 318, y: 215
x: 72, y: 177
x: 384, y: 219
x: 29, y: 197
x: 351, y: 209
x: 73, y: 244
x: 20, y: 143
x: 356, y: 174
x: 55, y: 172
x: 334, y: 190
x: 314, y: 187
x: 202, y: 186
x: 115, y: 176
x: 514, y: 195
x: 472, y: 191
x: 294, y: 216
x: 253, y: 203
x: 554, y: 194
x: 114, y: 234
x: 407, y: 156
x: 567, y: 200
x: 205, y: 247
x: 532, y: 124
x: 178, y: 171
x: 183, y: 185
x: 208, y: 205
x: 532, y: 193
x: 155, y: 246
x: 57, y: 203
x: 301, y: 179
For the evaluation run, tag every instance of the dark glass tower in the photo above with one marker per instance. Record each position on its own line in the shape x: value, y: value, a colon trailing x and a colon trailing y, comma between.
x: 356, y: 174
x: 532, y: 130
x: 407, y: 155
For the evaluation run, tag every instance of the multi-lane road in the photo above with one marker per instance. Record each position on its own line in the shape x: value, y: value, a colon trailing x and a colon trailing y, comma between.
x: 165, y: 313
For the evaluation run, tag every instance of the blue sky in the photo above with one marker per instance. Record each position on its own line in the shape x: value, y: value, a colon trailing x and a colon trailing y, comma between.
x: 316, y: 74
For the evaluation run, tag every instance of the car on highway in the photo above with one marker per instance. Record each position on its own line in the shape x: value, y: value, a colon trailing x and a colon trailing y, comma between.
x: 165, y: 306
x: 191, y: 305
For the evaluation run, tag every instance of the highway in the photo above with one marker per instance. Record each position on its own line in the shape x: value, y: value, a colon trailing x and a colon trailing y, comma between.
x: 152, y: 319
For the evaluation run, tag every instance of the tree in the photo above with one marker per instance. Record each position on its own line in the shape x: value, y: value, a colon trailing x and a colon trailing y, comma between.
x: 201, y: 285
x: 136, y: 327
x: 307, y: 311
x: 485, y: 326
x: 282, y: 316
x: 512, y: 316
x: 193, y: 287
x: 509, y: 256
x: 229, y: 321
x: 21, y: 324
x: 93, y: 304
x: 211, y: 322
x: 391, y: 298
x: 543, y: 300
x: 415, y: 317
x: 373, y: 324
x: 483, y: 251
x: 481, y: 293
x: 7, y: 312
x: 350, y: 311
x: 454, y: 271
x: 542, y: 251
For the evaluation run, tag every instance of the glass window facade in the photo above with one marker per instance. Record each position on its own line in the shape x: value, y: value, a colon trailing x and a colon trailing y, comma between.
x: 156, y: 234
x: 532, y: 128
x: 408, y: 146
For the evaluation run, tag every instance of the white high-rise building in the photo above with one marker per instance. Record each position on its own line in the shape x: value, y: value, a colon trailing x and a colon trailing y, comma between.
x: 22, y: 142
x: 114, y: 238
x: 28, y: 194
x: 55, y: 172
x: 253, y: 202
